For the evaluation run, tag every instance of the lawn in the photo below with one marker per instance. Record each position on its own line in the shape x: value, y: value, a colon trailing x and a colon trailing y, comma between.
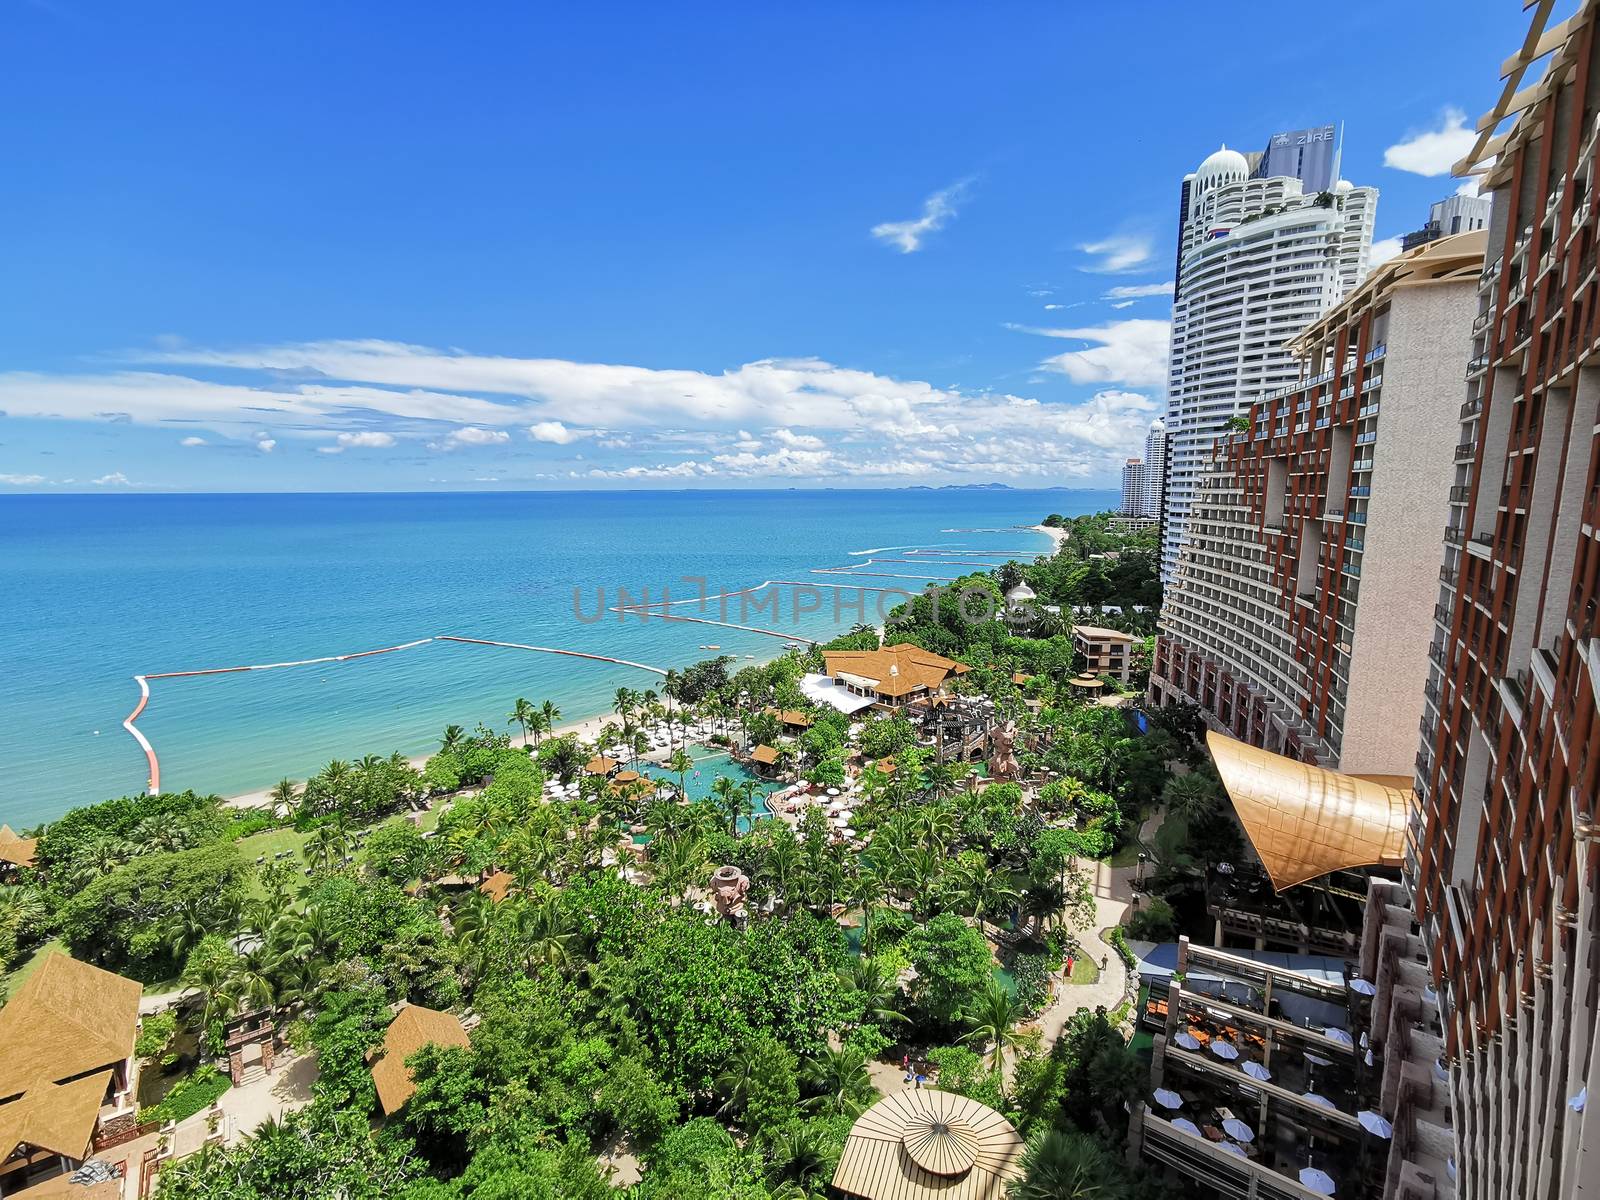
x: 272, y: 842
x: 1084, y: 970
x: 13, y: 981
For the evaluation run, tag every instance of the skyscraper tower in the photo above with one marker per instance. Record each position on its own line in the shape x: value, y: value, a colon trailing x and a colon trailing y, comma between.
x: 1155, y: 469
x: 1260, y: 259
x: 1503, y: 855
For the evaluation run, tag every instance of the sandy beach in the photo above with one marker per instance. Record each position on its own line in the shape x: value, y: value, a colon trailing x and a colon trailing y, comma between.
x: 1056, y: 536
x: 586, y: 730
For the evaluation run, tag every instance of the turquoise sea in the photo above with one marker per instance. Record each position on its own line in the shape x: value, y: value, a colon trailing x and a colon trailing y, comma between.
x: 97, y: 589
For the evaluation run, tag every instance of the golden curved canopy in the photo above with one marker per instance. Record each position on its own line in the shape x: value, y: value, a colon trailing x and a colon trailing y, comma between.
x: 926, y: 1144
x: 1305, y: 821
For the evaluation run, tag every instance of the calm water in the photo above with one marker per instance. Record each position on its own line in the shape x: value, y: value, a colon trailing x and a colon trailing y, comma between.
x: 94, y: 589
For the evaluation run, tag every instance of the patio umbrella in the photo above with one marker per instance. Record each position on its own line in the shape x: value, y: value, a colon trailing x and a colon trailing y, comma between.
x: 1256, y: 1071
x: 833, y: 791
x: 1238, y: 1130
x: 1187, y: 1040
x: 1224, y: 868
x: 1167, y: 1098
x: 1362, y: 987
x: 1313, y: 1098
x: 1187, y: 1126
x: 1226, y: 1051
x: 1368, y: 1058
x: 1232, y: 1148
x: 1577, y: 1102
x: 1318, y: 1059
x: 1338, y: 1035
x: 1374, y: 1123
x: 1317, y: 1180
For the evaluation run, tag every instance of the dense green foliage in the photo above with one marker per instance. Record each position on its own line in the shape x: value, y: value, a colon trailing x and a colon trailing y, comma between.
x: 615, y: 1008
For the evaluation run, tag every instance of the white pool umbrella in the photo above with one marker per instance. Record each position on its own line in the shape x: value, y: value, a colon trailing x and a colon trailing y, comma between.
x: 1187, y: 1040
x: 1374, y: 1123
x: 1256, y: 1071
x: 1232, y: 1148
x: 1167, y: 1098
x: 1576, y: 1103
x: 1238, y: 1130
x: 1317, y: 1180
x: 1226, y: 1051
x: 1362, y: 987
x: 1334, y: 1033
x: 1313, y: 1098
x: 1187, y: 1126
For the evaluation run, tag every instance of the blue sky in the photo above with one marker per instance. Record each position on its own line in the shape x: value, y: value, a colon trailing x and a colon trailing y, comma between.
x: 402, y: 246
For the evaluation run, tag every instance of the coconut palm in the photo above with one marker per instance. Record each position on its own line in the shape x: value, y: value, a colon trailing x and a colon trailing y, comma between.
x: 799, y: 1161
x: 454, y: 735
x: 1062, y: 1165
x: 284, y: 796
x: 680, y: 764
x: 743, y: 1069
x: 840, y: 1079
x: 326, y: 847
x: 1191, y: 797
x: 522, y: 714
x: 874, y: 989
x: 994, y: 1017
x: 549, y: 714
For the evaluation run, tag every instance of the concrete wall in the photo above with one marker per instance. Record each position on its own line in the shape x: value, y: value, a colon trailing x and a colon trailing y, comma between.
x: 1429, y: 344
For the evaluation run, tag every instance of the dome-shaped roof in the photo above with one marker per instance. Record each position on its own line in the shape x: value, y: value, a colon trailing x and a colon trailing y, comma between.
x: 1225, y: 166
x: 1343, y: 186
x: 1020, y: 593
x: 1158, y: 426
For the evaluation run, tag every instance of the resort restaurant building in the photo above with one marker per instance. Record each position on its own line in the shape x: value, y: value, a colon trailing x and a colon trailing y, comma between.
x: 68, y: 1075
x: 1105, y: 651
x: 890, y: 677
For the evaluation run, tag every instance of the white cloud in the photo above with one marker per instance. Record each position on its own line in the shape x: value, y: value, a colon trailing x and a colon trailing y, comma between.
x: 1433, y: 151
x: 266, y: 445
x: 1117, y: 253
x: 556, y: 433
x: 193, y: 441
x: 1124, y: 304
x: 367, y: 439
x: 1131, y: 352
x: 797, y: 441
x: 1137, y: 291
x: 937, y: 211
x: 1053, y: 307
x: 472, y: 435
x: 115, y: 479
x: 1469, y: 187
x: 1384, y: 250
x: 21, y: 480
x: 794, y: 418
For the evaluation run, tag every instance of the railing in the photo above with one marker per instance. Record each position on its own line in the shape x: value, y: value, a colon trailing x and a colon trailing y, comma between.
x: 1472, y: 408
x: 1465, y: 451
x: 1376, y: 352
x: 1460, y: 494
x: 1449, y: 575
x: 1477, y: 364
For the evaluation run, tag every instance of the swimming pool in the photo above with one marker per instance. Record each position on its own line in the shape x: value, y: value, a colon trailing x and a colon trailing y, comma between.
x: 710, y: 762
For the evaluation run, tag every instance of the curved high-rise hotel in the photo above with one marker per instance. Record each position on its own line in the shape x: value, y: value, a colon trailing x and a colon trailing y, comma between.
x: 1258, y: 261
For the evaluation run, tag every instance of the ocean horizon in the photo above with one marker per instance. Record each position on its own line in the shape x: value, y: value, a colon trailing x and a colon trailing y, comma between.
x: 101, y: 588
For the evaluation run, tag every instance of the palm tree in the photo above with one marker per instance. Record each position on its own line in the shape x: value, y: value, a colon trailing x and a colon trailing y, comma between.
x: 995, y: 893
x: 994, y: 1017
x: 875, y: 990
x: 210, y: 979
x: 564, y: 758
x: 1061, y: 1165
x: 725, y: 792
x: 326, y: 847
x: 841, y: 1080
x: 454, y: 735
x: 622, y: 703
x: 523, y: 714
x: 284, y: 796
x: 799, y: 1159
x: 733, y: 1084
x: 1191, y: 797
x: 680, y: 764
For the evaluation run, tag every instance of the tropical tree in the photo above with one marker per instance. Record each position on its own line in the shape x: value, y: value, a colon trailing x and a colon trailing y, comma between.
x: 994, y: 1016
x: 680, y: 764
x: 1065, y: 1165
x: 284, y: 797
x: 840, y: 1080
x: 523, y: 714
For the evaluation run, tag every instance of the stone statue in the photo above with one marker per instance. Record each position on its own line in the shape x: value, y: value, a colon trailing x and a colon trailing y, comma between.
x: 728, y: 888
x: 1002, y: 753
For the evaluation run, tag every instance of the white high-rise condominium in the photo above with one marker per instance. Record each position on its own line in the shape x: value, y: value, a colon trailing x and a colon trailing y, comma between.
x: 1258, y: 261
x: 1155, y: 469
x: 1142, y: 477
